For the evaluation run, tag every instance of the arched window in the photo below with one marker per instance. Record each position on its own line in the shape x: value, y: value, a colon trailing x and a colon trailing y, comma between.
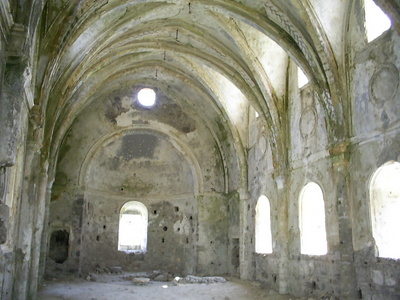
x: 132, y: 234
x: 312, y: 220
x: 263, y: 226
x: 385, y: 209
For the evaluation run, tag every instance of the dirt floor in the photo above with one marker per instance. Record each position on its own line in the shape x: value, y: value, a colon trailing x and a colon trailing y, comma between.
x: 121, y: 287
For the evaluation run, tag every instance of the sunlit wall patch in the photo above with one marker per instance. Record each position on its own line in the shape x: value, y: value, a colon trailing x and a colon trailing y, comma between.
x: 147, y: 97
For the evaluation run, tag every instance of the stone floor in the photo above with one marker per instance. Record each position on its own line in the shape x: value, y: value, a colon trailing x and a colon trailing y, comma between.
x: 121, y: 287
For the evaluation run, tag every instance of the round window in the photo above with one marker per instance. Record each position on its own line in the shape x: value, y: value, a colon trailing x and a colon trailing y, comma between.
x: 147, y: 97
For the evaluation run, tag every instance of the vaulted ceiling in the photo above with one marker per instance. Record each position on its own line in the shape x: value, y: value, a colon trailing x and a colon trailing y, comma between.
x: 211, y: 62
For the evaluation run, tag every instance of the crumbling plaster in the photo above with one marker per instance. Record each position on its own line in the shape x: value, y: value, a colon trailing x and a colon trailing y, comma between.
x: 70, y: 71
x: 375, y: 142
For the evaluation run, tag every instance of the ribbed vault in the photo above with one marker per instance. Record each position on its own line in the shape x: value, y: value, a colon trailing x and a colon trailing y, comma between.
x: 106, y: 45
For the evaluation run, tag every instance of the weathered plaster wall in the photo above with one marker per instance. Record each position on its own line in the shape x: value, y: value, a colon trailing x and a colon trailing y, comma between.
x: 310, y: 162
x: 263, y: 180
x: 17, y: 209
x: 172, y: 235
x: 286, y: 269
x: 117, y: 151
x: 213, y: 234
x: 310, y: 274
x: 111, y: 116
x: 12, y: 181
x: 130, y: 162
x: 375, y: 141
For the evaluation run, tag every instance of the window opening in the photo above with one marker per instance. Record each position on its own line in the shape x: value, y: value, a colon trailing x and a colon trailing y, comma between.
x: 147, y: 97
x: 59, y: 245
x: 263, y: 226
x: 376, y: 21
x: 302, y: 79
x: 312, y: 220
x: 385, y: 210
x: 132, y: 235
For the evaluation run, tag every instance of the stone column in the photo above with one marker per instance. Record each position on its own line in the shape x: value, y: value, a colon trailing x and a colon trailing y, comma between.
x: 31, y: 213
x: 45, y: 231
x: 246, y: 249
x: 12, y: 99
x: 340, y: 160
x: 38, y: 225
x: 15, y: 101
x: 26, y: 221
x: 283, y: 192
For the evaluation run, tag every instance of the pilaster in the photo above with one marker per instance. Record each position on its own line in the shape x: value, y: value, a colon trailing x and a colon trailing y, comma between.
x: 340, y: 162
x: 16, y: 96
x: 246, y: 252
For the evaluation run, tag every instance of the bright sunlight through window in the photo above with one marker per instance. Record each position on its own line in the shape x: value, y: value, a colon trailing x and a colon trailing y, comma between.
x: 147, y: 97
x: 385, y: 210
x: 312, y: 220
x: 263, y: 226
x: 377, y: 22
x: 301, y: 77
x: 132, y: 235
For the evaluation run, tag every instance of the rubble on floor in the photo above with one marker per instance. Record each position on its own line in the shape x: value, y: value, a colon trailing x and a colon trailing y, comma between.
x: 144, y: 278
x: 197, y: 279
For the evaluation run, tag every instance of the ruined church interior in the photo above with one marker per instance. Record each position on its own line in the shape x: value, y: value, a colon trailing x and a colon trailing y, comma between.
x: 256, y: 140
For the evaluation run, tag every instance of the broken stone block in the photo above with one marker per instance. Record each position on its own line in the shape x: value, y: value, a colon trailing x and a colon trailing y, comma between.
x: 196, y: 279
x: 154, y: 274
x: 141, y: 280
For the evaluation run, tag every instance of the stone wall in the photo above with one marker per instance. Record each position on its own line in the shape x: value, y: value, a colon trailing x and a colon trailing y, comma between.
x: 171, y: 236
x: 115, y: 153
x: 375, y: 141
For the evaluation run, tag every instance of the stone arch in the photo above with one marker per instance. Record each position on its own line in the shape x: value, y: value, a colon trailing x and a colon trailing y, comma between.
x: 132, y: 230
x: 180, y: 147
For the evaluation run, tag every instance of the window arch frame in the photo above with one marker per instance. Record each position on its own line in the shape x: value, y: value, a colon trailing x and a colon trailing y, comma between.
x: 383, y: 244
x: 263, y: 228
x: 313, y: 234
x: 137, y: 244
